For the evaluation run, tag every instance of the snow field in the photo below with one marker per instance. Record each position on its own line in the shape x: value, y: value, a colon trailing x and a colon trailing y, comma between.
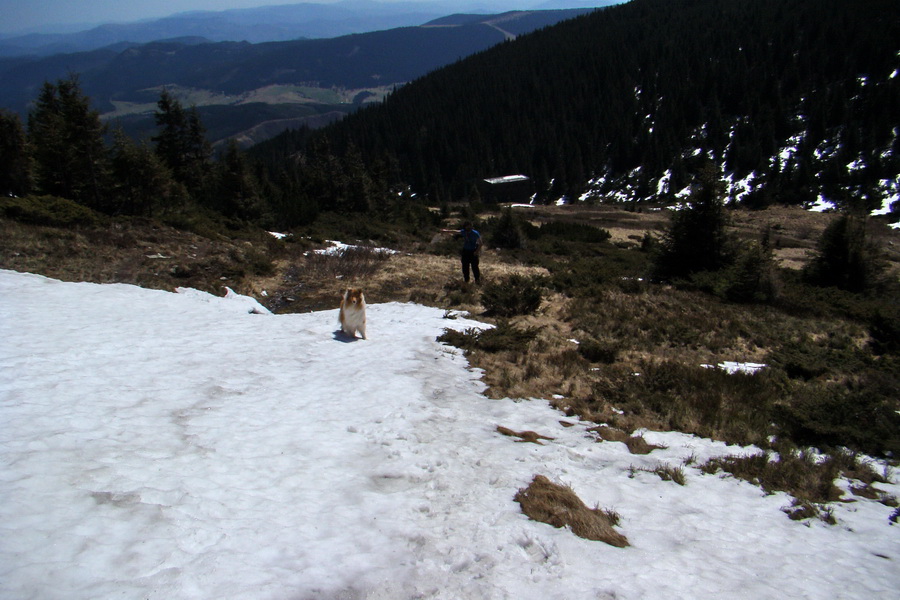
x: 173, y: 445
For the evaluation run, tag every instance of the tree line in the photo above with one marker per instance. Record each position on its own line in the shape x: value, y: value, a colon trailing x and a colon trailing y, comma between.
x: 65, y: 150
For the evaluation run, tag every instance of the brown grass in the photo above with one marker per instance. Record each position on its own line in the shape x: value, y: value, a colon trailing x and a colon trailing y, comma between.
x: 636, y: 444
x: 524, y: 436
x: 138, y: 252
x: 559, y: 506
x: 610, y: 434
x: 808, y: 480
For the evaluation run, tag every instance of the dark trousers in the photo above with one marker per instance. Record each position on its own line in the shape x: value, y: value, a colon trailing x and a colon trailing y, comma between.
x: 470, y: 259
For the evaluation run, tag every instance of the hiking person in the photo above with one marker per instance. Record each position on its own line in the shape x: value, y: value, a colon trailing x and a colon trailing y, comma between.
x: 471, y: 249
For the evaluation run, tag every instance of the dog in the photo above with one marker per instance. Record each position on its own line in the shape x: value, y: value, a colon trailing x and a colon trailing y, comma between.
x: 353, y: 312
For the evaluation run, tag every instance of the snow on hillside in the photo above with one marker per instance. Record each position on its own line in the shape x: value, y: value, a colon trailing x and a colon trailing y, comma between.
x: 176, y: 445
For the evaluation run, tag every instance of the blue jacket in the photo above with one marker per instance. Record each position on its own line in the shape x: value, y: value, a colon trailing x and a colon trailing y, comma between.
x: 470, y: 239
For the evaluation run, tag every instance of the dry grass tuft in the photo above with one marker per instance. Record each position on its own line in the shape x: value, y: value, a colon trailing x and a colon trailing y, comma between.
x: 808, y: 478
x: 559, y: 506
x: 524, y: 436
x: 636, y: 443
x: 610, y: 434
x: 666, y: 473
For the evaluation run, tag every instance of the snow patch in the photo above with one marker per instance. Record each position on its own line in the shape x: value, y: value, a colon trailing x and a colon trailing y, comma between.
x: 160, y: 445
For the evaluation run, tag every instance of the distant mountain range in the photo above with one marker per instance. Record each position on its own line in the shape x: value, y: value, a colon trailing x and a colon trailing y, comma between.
x: 263, y: 24
x: 256, y: 90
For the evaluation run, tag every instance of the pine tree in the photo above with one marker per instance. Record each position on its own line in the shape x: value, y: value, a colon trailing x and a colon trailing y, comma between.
x: 66, y: 136
x: 845, y: 258
x: 508, y: 231
x: 696, y: 239
x: 237, y: 190
x: 15, y: 159
x: 142, y: 184
x: 182, y: 145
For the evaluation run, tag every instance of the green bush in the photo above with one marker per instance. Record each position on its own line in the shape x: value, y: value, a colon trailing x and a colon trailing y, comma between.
x: 845, y: 257
x: 513, y: 295
x: 508, y: 233
x: 573, y: 232
x: 751, y: 277
x: 707, y: 402
x: 884, y: 327
x: 604, y: 351
x: 501, y: 338
x: 47, y: 210
x: 861, y: 414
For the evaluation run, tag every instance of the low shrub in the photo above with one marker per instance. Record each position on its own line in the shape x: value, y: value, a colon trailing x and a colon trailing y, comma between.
x: 496, y: 339
x: 50, y: 211
x: 506, y: 337
x: 884, y: 327
x: 707, y: 402
x: 801, y: 359
x: 800, y: 474
x: 513, y: 295
x: 574, y: 232
x: 348, y: 263
x: 464, y: 340
x: 604, y: 351
x: 861, y: 413
x: 578, y: 277
x: 586, y: 275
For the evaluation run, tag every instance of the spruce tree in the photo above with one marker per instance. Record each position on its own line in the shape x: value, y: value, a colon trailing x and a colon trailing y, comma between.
x: 696, y: 239
x: 66, y: 136
x: 182, y: 145
x: 15, y: 159
x: 508, y: 231
x: 143, y: 185
x: 845, y: 257
x: 237, y: 192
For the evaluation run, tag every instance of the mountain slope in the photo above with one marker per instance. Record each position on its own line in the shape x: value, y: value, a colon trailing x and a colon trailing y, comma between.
x: 782, y: 95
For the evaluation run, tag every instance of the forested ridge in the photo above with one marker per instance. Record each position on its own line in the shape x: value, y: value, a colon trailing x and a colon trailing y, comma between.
x: 791, y: 101
x: 782, y: 94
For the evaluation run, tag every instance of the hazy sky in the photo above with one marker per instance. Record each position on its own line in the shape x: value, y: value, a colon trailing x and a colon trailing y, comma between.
x: 18, y: 15
x: 56, y: 16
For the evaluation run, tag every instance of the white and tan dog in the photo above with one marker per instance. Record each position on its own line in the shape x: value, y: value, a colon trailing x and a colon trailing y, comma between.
x: 353, y: 312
